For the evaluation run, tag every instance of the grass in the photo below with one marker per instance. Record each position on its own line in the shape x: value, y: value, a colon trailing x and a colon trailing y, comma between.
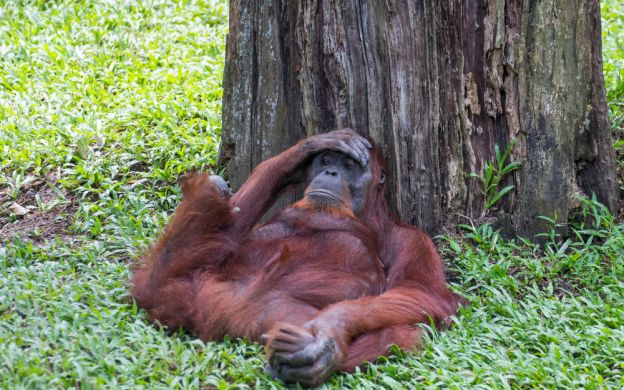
x: 103, y: 105
x: 613, y: 56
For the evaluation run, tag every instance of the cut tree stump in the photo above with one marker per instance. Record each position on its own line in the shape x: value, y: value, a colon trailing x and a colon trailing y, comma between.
x: 436, y: 84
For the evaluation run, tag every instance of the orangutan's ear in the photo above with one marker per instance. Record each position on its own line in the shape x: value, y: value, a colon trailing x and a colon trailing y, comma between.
x: 382, y: 177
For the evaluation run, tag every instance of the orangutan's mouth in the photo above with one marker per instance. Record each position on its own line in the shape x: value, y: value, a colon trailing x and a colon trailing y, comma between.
x: 323, y: 196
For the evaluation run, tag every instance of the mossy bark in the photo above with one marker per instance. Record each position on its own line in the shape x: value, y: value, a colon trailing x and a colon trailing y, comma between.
x: 436, y: 84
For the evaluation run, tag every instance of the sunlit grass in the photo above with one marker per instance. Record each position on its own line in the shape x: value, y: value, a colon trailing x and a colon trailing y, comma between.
x: 110, y: 102
x: 613, y: 54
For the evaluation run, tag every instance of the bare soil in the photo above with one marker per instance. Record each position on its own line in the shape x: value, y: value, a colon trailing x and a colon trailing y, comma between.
x: 40, y: 224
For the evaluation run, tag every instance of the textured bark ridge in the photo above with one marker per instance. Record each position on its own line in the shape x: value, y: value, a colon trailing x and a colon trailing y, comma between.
x: 436, y: 84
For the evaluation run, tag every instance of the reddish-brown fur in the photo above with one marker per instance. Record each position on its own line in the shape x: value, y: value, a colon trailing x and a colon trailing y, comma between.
x: 371, y: 278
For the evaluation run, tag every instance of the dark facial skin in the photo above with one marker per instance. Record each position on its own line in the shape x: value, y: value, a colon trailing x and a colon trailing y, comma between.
x: 334, y: 177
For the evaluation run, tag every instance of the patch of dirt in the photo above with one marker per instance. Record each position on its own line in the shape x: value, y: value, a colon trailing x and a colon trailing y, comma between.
x: 562, y: 286
x: 45, y: 219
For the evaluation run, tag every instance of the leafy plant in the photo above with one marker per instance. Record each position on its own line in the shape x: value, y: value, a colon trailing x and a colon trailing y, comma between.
x: 18, y: 180
x: 493, y: 173
x: 554, y: 226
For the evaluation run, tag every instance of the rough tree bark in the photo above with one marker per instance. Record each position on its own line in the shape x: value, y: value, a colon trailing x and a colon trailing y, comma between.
x: 436, y: 84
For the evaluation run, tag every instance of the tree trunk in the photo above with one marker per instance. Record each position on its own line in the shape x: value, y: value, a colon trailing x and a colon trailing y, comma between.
x: 436, y: 84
